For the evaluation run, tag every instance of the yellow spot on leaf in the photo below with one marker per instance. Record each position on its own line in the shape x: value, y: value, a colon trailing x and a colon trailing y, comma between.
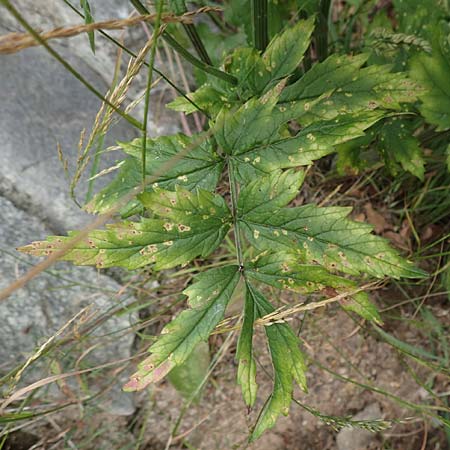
x: 182, y: 228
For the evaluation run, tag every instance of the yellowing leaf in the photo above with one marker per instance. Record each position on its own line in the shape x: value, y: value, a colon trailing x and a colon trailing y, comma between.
x: 208, y: 298
x: 169, y: 242
x: 246, y: 375
x: 288, y: 365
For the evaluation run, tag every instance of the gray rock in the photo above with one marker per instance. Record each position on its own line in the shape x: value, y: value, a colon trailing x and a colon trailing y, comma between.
x: 356, y: 438
x: 43, y: 104
x: 45, y: 15
x: 32, y: 314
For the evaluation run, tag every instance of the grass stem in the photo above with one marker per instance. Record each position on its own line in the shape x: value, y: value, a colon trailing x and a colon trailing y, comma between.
x: 185, y: 54
x: 7, y: 4
x: 151, y: 63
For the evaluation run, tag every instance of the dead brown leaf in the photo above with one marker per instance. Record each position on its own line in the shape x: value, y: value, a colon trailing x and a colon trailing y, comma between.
x: 375, y: 218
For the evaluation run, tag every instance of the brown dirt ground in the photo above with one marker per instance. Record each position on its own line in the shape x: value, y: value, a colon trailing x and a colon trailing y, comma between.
x: 221, y: 421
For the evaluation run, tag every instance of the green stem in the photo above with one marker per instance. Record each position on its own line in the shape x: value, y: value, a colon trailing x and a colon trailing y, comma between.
x: 131, y: 53
x: 234, y: 201
x: 217, y: 21
x: 185, y: 54
x: 260, y: 23
x: 194, y: 37
x: 151, y: 63
x: 66, y: 65
x: 179, y: 7
x: 321, y: 32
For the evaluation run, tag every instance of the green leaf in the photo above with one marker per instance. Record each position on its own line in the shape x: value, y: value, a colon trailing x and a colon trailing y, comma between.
x: 360, y: 304
x: 246, y: 376
x: 432, y: 72
x: 87, y: 20
x: 251, y: 124
x: 286, y: 50
x: 323, y: 236
x: 398, y: 143
x: 195, y: 225
x: 419, y: 17
x: 129, y: 176
x: 284, y: 271
x: 207, y: 98
x: 312, y: 142
x: 288, y: 365
x: 255, y: 73
x: 250, y: 69
x: 200, y: 167
x: 277, y: 190
x: 188, y: 377
x: 351, y: 154
x: 343, y: 86
x: 208, y: 298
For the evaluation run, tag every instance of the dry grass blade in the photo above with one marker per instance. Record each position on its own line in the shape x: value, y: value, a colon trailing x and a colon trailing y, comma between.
x: 282, y: 313
x: 46, y: 344
x: 45, y: 381
x: 14, y: 42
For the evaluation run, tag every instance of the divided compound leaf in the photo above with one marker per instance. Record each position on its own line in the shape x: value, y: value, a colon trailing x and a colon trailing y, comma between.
x: 323, y: 236
x: 255, y: 73
x: 246, y: 376
x: 341, y: 85
x: 194, y: 224
x: 309, y: 144
x: 285, y: 271
x: 288, y: 365
x: 208, y: 298
x: 197, y: 166
x: 300, y: 248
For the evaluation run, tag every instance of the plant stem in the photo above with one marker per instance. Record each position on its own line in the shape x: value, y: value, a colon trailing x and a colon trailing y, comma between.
x: 234, y: 200
x: 131, y: 53
x: 193, y: 35
x: 185, y: 54
x: 260, y: 24
x: 151, y: 63
x: 58, y: 57
x: 179, y: 7
x: 321, y: 32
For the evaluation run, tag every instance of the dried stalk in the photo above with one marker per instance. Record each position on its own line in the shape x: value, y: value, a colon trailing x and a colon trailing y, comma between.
x: 14, y: 42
